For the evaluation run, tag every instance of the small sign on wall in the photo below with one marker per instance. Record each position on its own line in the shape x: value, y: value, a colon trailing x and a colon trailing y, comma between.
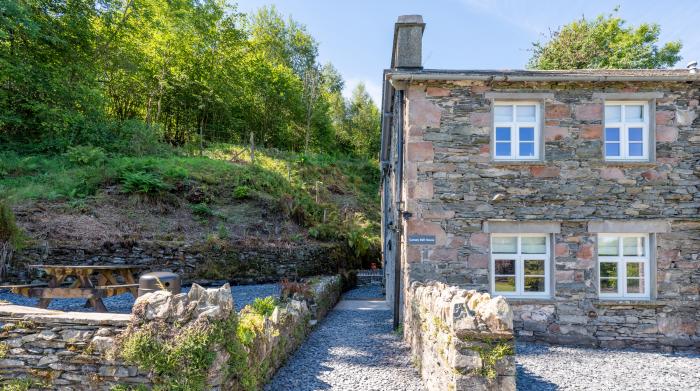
x: 421, y: 239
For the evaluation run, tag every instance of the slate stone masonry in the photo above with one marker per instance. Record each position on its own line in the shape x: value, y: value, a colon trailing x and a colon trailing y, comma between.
x: 452, y: 187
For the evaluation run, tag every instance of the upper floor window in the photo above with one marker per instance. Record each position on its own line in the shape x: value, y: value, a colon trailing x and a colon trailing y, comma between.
x: 623, y: 266
x: 520, y: 265
x: 516, y: 131
x: 626, y: 130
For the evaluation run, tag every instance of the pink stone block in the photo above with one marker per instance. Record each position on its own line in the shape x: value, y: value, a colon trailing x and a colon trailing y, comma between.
x: 589, y: 111
x: 443, y: 254
x: 592, y: 132
x: 564, y: 276
x: 666, y: 133
x: 585, y: 252
x: 561, y: 250
x: 554, y: 133
x: 438, y: 91
x: 422, y: 190
x: 545, y: 172
x: 611, y: 173
x: 420, y: 227
x: 479, y: 240
x: 478, y: 261
x: 423, y: 114
x: 480, y: 119
x: 420, y: 151
x: 665, y: 117
x: 557, y: 111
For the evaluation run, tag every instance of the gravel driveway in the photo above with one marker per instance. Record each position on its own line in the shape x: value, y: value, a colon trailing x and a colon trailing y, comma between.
x: 565, y: 368
x: 352, y: 349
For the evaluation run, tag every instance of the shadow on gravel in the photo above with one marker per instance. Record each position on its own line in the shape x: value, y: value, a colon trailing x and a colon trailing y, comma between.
x: 528, y: 381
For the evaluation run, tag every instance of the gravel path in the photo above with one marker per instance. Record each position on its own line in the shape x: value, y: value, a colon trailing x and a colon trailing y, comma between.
x: 565, y: 368
x: 352, y: 349
x: 242, y: 295
x: 364, y: 292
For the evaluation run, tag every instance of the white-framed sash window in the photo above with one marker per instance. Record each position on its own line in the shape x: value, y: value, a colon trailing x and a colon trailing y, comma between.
x: 623, y: 266
x: 626, y: 130
x: 516, y: 130
x: 520, y: 265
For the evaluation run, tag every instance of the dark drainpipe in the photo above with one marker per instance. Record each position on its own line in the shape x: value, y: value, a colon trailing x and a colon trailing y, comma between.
x: 399, y: 219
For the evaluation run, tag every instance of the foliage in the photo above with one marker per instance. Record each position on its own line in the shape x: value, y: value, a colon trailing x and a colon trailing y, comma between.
x: 3, y: 350
x: 202, y: 210
x: 264, y: 306
x: 128, y: 76
x: 241, y: 192
x: 18, y: 385
x: 605, y: 42
x: 143, y: 183
x: 11, y: 237
x: 86, y: 155
x: 491, y: 351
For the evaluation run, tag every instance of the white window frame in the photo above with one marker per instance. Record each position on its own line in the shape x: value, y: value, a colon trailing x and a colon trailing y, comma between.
x: 515, y: 126
x: 622, y: 261
x: 519, y: 258
x: 624, y: 126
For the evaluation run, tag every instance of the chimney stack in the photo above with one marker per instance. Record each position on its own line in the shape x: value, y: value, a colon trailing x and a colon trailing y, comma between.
x: 408, y: 42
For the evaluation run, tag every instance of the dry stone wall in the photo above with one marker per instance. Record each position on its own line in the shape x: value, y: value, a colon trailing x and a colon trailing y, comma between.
x: 54, y: 350
x: 460, y: 340
x: 452, y: 187
x: 239, y: 262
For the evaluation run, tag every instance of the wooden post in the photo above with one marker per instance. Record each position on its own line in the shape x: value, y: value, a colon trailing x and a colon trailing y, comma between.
x: 252, y: 148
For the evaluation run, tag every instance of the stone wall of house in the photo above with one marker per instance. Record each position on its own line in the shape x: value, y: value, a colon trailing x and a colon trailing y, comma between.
x: 460, y: 340
x: 237, y: 262
x: 452, y: 187
x: 55, y: 350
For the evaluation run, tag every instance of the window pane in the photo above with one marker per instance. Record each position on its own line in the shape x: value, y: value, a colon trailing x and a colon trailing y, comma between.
x: 636, y: 149
x: 608, y: 269
x: 635, y: 285
x: 635, y: 269
x: 527, y: 134
x: 503, y: 113
x: 612, y: 149
x: 635, y: 134
x: 608, y: 245
x: 504, y: 245
x: 525, y: 113
x: 608, y: 285
x: 633, y: 113
x: 534, y: 284
x: 502, y: 149
x: 613, y: 113
x: 533, y: 244
x: 633, y: 246
x: 505, y: 284
x: 534, y: 267
x: 527, y: 149
x: 502, y: 134
x: 505, y: 266
x: 612, y: 134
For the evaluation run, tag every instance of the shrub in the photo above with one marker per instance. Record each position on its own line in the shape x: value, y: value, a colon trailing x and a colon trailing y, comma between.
x: 85, y: 155
x: 202, y: 210
x: 264, y: 306
x: 241, y: 192
x: 143, y: 183
x: 11, y: 237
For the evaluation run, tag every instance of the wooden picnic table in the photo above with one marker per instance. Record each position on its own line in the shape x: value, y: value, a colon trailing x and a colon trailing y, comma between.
x: 83, y: 286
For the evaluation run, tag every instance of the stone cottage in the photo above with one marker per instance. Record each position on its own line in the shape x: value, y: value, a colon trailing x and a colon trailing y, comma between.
x: 574, y: 194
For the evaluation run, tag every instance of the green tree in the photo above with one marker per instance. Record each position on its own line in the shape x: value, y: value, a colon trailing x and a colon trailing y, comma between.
x: 605, y: 42
x: 363, y: 122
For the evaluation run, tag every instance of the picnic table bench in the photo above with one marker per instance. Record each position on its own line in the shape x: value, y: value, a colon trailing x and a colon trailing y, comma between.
x: 83, y: 286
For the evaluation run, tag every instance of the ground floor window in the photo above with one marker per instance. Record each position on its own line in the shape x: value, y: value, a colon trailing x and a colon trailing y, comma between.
x: 623, y: 266
x: 520, y: 265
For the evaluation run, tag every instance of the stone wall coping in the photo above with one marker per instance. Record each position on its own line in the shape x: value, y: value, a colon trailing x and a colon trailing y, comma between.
x: 629, y: 303
x: 628, y: 95
x: 519, y: 95
x: 629, y: 226
x: 521, y: 227
x: 39, y: 315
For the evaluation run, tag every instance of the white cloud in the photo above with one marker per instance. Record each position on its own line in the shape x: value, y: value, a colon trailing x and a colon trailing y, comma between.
x: 374, y: 89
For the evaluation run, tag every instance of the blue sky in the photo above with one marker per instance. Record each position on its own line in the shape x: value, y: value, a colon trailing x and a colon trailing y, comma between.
x: 355, y: 35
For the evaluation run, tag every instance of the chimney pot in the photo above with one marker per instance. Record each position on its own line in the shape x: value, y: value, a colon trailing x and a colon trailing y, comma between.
x: 408, y: 42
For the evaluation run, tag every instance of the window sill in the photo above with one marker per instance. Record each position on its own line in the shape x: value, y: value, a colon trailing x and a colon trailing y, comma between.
x: 518, y: 162
x: 630, y: 163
